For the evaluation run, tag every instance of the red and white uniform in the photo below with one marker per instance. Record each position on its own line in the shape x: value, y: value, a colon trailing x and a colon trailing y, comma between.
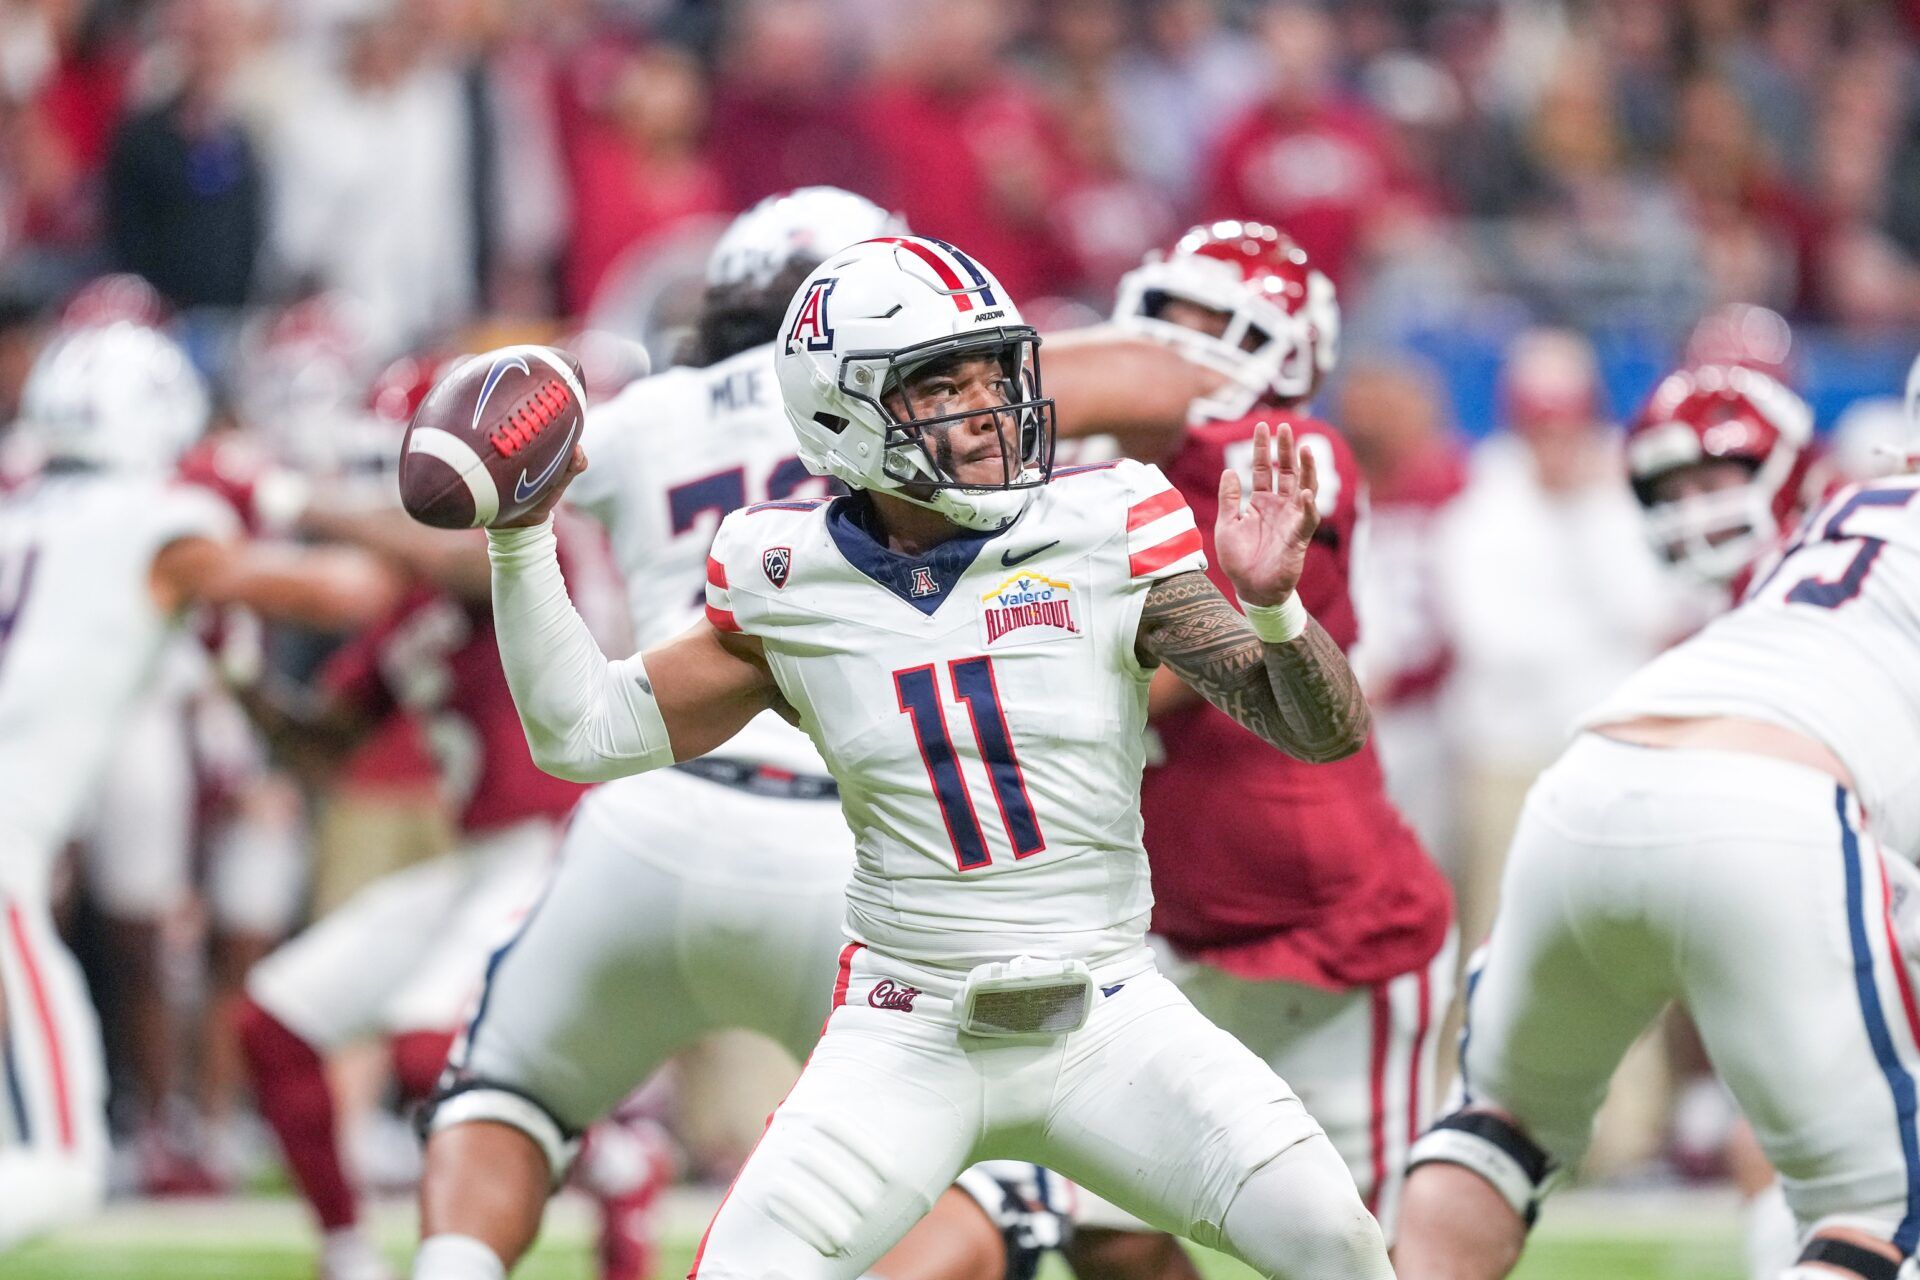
x: 983, y: 709
x: 407, y: 952
x: 1320, y: 928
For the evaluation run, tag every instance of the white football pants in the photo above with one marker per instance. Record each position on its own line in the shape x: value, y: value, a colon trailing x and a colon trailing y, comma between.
x: 407, y: 952
x: 1149, y: 1106
x: 1747, y: 889
x: 1361, y: 1060
x: 53, y: 1089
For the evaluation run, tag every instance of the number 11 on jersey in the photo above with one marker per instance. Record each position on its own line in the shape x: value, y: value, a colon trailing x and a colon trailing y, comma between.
x: 974, y: 685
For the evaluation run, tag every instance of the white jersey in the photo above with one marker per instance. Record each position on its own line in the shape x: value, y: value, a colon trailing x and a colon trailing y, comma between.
x: 1827, y: 642
x: 81, y: 640
x: 982, y: 706
x: 667, y: 459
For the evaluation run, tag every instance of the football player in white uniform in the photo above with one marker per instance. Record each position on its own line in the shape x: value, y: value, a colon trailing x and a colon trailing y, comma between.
x: 1732, y: 829
x: 997, y: 999
x: 674, y: 912
x: 100, y: 556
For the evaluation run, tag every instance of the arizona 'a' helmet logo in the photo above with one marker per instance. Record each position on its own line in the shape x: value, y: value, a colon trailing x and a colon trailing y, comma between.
x: 923, y: 583
x: 811, y: 330
x: 778, y: 562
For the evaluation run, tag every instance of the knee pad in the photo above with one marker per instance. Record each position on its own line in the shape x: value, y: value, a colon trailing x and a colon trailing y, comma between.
x: 1018, y: 1200
x: 1849, y: 1258
x: 1496, y: 1150
x: 478, y: 1100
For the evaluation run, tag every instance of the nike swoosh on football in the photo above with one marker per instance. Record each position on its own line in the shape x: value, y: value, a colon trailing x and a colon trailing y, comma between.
x: 522, y: 490
x: 1008, y: 559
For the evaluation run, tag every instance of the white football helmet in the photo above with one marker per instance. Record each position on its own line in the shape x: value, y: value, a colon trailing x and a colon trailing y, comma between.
x: 808, y: 222
x: 865, y: 322
x: 119, y: 395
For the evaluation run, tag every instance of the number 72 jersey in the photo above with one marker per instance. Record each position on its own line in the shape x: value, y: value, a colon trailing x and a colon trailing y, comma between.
x: 981, y: 706
x: 1826, y: 642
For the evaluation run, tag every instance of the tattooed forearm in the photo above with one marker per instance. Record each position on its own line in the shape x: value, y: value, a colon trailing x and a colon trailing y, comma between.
x: 1301, y: 696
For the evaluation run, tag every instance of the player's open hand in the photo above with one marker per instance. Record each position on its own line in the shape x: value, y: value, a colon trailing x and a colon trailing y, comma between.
x: 1262, y: 541
x: 540, y: 510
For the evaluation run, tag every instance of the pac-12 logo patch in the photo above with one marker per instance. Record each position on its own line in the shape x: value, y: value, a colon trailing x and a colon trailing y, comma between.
x: 778, y: 562
x: 1026, y: 609
x: 811, y: 329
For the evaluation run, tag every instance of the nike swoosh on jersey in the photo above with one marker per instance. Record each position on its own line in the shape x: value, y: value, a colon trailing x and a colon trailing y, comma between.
x: 1008, y: 559
x: 524, y: 489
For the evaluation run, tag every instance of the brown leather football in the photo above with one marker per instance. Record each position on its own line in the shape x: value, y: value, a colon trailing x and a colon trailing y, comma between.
x: 492, y: 437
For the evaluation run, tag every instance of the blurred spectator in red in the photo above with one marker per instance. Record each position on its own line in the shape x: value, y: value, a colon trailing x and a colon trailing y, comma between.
x: 1189, y: 76
x: 1415, y: 466
x: 186, y: 194
x: 1104, y: 217
x: 969, y: 152
x: 1869, y: 278
x: 640, y: 166
x: 374, y: 178
x: 63, y: 76
x: 1312, y: 161
x: 781, y: 102
x: 1756, y: 235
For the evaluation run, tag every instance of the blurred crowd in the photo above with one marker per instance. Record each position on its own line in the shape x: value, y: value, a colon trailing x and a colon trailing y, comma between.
x: 1612, y: 161
x: 438, y: 170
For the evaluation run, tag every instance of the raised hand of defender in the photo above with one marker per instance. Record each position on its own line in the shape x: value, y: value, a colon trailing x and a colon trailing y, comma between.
x: 1262, y: 540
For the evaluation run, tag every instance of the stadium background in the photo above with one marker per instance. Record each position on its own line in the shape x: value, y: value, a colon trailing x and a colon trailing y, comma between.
x: 1467, y: 171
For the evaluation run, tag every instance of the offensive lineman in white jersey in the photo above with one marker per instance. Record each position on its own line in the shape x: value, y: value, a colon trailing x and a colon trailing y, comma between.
x: 1731, y: 830
x: 998, y: 999
x: 713, y: 895
x: 100, y: 556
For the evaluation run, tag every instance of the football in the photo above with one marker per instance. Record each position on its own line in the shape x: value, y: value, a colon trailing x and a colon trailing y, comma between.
x: 492, y: 437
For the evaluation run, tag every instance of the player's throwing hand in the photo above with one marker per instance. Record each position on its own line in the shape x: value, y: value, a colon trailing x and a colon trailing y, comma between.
x: 1263, y: 544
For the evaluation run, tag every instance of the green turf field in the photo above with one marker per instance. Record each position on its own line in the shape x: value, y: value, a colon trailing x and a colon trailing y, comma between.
x: 248, y: 1243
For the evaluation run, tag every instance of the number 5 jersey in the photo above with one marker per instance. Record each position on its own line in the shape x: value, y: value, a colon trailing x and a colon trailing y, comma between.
x: 981, y: 706
x: 1839, y: 609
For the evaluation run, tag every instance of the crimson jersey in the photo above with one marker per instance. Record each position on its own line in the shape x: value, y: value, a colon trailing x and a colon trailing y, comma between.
x: 434, y: 657
x: 1265, y: 866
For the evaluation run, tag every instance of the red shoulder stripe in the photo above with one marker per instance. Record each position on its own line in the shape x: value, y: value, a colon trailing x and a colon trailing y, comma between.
x: 716, y: 573
x: 1160, y: 504
x: 1178, y: 547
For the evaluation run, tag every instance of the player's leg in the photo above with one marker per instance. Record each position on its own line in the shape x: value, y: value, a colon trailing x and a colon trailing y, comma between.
x: 1361, y: 1060
x: 136, y: 854
x: 1174, y: 1120
x: 1794, y: 974
x: 651, y: 933
x: 317, y: 993
x: 882, y: 1119
x: 1578, y: 964
x: 53, y: 1123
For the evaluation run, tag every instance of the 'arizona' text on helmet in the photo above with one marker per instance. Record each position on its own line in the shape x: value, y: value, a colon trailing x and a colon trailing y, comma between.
x: 865, y: 322
x: 1720, y: 413
x: 1278, y: 329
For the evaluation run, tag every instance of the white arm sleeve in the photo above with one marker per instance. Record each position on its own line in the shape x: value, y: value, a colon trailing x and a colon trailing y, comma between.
x: 587, y: 719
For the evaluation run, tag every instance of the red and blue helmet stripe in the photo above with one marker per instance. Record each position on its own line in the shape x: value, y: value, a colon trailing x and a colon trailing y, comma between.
x: 963, y: 295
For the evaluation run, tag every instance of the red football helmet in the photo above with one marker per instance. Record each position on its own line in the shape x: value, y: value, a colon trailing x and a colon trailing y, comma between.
x: 1275, y: 323
x: 1711, y: 520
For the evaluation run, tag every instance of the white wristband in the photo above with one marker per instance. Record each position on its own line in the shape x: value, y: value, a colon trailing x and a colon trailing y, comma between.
x: 1279, y: 623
